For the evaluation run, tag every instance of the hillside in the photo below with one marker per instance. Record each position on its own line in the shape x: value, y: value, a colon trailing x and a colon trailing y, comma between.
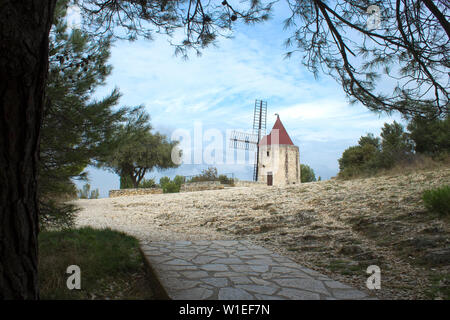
x: 336, y: 227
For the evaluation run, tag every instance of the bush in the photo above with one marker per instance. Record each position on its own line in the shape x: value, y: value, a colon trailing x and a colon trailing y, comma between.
x: 148, y: 183
x: 209, y: 174
x: 86, y: 193
x: 56, y: 215
x: 163, y: 181
x: 169, y: 186
x: 307, y: 173
x: 225, y: 180
x: 438, y: 200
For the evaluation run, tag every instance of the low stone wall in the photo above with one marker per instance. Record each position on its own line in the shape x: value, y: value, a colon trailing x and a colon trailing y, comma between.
x: 134, y: 192
x: 249, y: 183
x: 201, y: 185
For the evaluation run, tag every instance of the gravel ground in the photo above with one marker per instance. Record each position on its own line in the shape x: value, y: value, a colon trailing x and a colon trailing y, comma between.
x: 335, y: 227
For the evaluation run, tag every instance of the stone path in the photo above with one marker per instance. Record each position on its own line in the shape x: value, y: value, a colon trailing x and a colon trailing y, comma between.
x: 237, y: 270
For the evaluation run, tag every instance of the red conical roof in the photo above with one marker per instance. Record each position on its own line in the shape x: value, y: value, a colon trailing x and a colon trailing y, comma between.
x: 283, y: 137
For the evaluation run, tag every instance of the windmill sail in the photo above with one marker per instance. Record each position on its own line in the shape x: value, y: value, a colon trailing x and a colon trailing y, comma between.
x: 250, y: 141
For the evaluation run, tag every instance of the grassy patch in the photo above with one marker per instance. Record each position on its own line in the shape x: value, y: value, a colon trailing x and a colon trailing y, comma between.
x: 344, y: 267
x: 110, y: 262
x: 438, y: 200
x: 440, y: 287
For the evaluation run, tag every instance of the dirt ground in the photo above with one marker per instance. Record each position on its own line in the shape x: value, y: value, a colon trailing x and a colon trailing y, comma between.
x: 336, y: 227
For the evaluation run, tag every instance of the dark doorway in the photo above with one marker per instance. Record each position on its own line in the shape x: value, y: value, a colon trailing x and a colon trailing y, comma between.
x: 269, y: 179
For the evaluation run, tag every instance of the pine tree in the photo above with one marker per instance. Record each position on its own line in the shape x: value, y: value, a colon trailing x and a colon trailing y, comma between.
x: 76, y: 130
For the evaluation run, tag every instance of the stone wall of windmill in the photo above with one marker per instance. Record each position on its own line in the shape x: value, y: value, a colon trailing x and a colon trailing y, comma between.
x: 279, y: 158
x: 282, y: 162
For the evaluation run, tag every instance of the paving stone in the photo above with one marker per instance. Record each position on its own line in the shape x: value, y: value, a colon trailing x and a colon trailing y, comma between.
x: 259, y: 268
x: 160, y: 259
x: 178, y: 262
x: 262, y: 262
x: 240, y: 268
x: 177, y: 268
x: 193, y: 294
x: 295, y: 294
x: 303, y: 284
x: 348, y: 294
x: 195, y: 274
x: 234, y: 294
x: 336, y: 285
x: 228, y: 260
x: 217, y: 282
x: 226, y: 243
x: 214, y: 267
x: 174, y: 283
x: 257, y: 288
x: 240, y: 280
x: 236, y: 270
x: 203, y: 259
x: 285, y: 270
x: 226, y: 274
x: 260, y: 281
x: 214, y: 253
x: 265, y: 297
x: 188, y: 256
x: 182, y: 243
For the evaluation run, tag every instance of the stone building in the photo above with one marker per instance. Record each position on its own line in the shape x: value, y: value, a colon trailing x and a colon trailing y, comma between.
x: 279, y: 158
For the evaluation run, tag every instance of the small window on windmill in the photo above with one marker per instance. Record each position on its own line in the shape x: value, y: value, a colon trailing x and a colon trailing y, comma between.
x: 268, y: 153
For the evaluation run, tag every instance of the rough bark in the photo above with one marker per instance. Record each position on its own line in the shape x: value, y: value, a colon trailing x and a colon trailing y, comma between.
x: 24, y: 30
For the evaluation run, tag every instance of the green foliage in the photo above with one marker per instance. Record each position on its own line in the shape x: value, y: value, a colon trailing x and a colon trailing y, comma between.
x: 225, y: 180
x: 139, y: 150
x: 438, y: 200
x: 76, y: 129
x: 372, y: 154
x: 147, y: 183
x: 431, y: 135
x: 395, y: 145
x: 58, y: 215
x: 179, y: 180
x: 209, y: 174
x: 307, y: 173
x: 125, y: 182
x: 106, y: 258
x: 169, y: 186
x: 86, y: 193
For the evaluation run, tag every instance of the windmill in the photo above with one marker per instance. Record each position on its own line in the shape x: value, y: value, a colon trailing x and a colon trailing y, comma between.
x: 250, y: 141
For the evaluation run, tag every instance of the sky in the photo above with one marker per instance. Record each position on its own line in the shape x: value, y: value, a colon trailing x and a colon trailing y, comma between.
x: 206, y: 97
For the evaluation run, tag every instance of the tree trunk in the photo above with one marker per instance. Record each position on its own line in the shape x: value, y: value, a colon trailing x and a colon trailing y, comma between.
x: 24, y: 31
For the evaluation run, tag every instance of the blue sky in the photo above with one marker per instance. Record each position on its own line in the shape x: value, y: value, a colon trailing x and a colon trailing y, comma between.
x: 218, y: 90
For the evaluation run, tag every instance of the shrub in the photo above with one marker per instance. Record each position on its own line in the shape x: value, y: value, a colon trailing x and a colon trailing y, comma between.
x: 56, y: 215
x: 307, y: 173
x: 209, y: 174
x: 148, y: 183
x: 438, y: 200
x: 171, y: 187
x: 86, y: 193
x: 225, y: 180
x: 163, y: 181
